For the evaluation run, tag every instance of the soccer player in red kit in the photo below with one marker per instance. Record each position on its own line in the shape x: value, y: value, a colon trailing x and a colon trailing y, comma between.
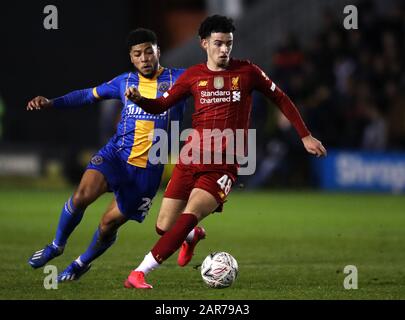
x: 222, y: 90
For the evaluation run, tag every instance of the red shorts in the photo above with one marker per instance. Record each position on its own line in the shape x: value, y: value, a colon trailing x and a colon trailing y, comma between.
x: 215, y: 179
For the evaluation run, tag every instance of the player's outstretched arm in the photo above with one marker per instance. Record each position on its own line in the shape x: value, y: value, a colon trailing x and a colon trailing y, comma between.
x: 81, y: 97
x: 39, y: 103
x: 287, y: 107
x: 74, y: 99
x: 314, y: 146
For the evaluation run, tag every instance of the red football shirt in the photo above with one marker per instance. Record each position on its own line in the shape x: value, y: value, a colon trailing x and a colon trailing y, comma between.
x: 223, y: 99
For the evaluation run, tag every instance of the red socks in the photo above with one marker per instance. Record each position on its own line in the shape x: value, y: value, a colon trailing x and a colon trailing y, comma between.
x: 172, y: 239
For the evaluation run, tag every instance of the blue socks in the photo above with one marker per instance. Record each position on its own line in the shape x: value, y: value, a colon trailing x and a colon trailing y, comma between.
x: 70, y: 217
x: 96, y: 248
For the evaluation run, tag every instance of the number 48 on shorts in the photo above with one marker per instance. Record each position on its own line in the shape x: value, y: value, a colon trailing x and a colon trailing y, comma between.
x: 225, y: 183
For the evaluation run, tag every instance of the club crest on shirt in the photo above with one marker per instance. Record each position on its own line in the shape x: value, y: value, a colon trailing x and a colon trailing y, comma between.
x: 218, y: 82
x: 235, y: 83
x: 97, y: 160
x: 163, y: 86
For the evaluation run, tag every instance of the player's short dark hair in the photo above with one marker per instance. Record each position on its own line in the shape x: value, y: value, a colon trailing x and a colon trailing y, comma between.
x: 215, y: 23
x: 140, y: 35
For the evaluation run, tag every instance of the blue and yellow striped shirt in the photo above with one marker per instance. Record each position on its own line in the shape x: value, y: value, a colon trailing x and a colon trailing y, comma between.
x: 136, y: 126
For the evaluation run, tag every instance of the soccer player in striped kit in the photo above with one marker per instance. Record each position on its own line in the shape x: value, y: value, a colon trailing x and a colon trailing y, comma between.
x: 122, y: 165
x: 222, y: 90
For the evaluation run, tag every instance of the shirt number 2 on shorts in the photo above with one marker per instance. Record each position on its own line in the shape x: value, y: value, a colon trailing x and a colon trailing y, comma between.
x: 145, y: 206
x: 225, y: 183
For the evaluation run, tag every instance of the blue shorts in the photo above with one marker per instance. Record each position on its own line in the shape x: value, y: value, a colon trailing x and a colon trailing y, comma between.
x: 134, y: 187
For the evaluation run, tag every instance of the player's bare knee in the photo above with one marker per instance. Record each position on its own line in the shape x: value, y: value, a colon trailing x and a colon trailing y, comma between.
x: 108, y: 222
x: 166, y: 219
x: 199, y: 215
x: 161, y: 223
x: 160, y: 231
x: 199, y: 211
x: 106, y: 231
x: 78, y: 201
x: 108, y: 227
x: 82, y: 198
x: 165, y: 222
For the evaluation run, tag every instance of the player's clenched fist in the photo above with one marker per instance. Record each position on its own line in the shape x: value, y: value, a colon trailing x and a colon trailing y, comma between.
x: 133, y: 94
x: 39, y: 103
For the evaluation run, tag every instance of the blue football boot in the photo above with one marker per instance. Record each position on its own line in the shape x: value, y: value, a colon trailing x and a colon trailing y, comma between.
x: 73, y: 272
x: 41, y: 257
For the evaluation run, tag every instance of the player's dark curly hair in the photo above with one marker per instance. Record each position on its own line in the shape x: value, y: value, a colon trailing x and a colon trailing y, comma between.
x: 140, y: 35
x: 215, y: 23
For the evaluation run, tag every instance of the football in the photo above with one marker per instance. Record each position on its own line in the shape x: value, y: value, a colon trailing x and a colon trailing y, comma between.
x: 219, y: 270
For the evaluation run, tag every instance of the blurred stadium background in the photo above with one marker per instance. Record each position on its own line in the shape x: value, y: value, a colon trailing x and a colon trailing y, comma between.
x: 349, y: 86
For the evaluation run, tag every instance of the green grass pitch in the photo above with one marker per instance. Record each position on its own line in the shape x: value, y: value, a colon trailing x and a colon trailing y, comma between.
x: 289, y: 245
